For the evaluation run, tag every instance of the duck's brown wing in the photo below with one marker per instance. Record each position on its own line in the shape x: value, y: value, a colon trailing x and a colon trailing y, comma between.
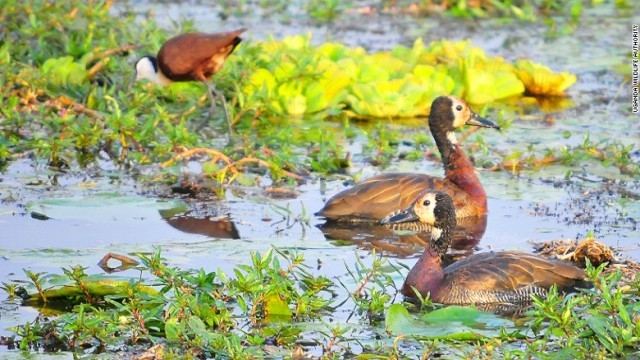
x: 181, y: 54
x: 509, y: 271
x: 377, y: 197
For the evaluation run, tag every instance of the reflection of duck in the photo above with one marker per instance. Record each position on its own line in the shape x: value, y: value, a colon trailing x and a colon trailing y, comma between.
x: 403, y: 243
x: 216, y: 227
x: 379, y: 196
x: 502, y: 277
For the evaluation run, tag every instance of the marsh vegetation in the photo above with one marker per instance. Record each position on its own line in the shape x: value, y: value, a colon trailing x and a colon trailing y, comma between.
x: 83, y: 147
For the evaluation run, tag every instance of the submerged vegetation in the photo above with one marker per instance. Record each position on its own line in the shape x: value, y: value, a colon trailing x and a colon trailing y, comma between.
x: 68, y: 99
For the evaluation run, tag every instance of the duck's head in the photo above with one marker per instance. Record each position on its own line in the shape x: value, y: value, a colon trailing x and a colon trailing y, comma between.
x: 451, y: 112
x: 434, y: 208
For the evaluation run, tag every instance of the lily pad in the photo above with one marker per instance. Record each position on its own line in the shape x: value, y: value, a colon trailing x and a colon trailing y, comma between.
x: 60, y: 286
x: 453, y: 322
x: 102, y: 207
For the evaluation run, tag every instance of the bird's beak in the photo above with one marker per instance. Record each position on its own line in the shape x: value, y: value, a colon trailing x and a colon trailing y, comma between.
x: 478, y: 120
x: 405, y: 215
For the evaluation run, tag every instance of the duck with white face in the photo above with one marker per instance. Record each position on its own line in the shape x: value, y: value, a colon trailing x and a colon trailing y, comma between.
x: 375, y: 198
x: 488, y: 278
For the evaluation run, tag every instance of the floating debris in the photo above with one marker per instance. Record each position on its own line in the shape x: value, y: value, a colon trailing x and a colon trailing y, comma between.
x: 125, y: 263
x: 597, y: 253
x: 576, y: 251
x: 155, y: 352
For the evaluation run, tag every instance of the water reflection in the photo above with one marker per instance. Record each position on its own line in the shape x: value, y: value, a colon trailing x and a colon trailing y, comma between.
x: 400, y: 242
x: 191, y: 222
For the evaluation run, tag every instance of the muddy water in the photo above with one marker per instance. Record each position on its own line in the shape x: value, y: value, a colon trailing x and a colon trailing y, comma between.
x: 89, y: 215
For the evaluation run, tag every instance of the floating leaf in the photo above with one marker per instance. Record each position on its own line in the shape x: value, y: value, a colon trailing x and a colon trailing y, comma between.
x: 292, y: 77
x: 172, y: 329
x: 333, y: 51
x: 540, y: 80
x: 370, y: 71
x: 451, y: 51
x: 453, y: 322
x: 97, y: 285
x: 484, y: 86
x: 5, y: 54
x: 297, y: 42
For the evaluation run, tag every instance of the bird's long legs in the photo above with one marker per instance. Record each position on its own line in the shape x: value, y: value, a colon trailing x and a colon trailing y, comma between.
x: 213, y: 94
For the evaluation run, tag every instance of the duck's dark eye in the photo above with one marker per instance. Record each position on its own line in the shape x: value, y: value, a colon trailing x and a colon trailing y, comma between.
x: 459, y: 107
x: 426, y: 202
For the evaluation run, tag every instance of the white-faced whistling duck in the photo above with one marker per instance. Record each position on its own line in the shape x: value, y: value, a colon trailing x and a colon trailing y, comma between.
x: 378, y: 197
x: 487, y: 278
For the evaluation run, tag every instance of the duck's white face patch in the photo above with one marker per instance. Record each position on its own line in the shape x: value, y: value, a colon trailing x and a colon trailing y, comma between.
x: 425, y: 207
x: 461, y: 111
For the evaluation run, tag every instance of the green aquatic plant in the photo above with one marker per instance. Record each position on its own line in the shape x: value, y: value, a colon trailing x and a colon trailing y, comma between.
x: 275, y: 299
x: 73, y: 99
x: 540, y: 80
x: 292, y: 77
x: 325, y: 10
x: 191, y: 310
x: 374, y: 282
x: 600, y: 320
x: 452, y: 322
x: 10, y: 289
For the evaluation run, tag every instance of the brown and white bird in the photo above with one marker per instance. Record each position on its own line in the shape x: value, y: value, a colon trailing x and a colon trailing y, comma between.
x: 505, y: 277
x: 191, y: 57
x: 375, y: 198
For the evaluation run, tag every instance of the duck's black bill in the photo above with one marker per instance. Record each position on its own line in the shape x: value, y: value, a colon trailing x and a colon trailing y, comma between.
x: 478, y: 120
x: 401, y: 217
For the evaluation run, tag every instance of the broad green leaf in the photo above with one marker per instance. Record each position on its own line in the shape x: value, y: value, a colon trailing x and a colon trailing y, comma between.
x: 196, y: 324
x: 64, y: 70
x: 454, y: 322
x: 276, y: 308
x: 599, y: 325
x: 97, y: 285
x: 296, y: 105
x: 172, y: 329
x: 484, y: 86
x: 180, y: 91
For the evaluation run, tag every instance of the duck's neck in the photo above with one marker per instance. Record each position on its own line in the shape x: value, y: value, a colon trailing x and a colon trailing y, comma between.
x: 427, y: 276
x: 457, y: 167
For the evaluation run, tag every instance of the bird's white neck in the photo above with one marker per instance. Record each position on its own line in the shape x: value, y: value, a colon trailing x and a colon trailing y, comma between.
x: 145, y: 69
x: 436, y: 233
x: 161, y: 79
